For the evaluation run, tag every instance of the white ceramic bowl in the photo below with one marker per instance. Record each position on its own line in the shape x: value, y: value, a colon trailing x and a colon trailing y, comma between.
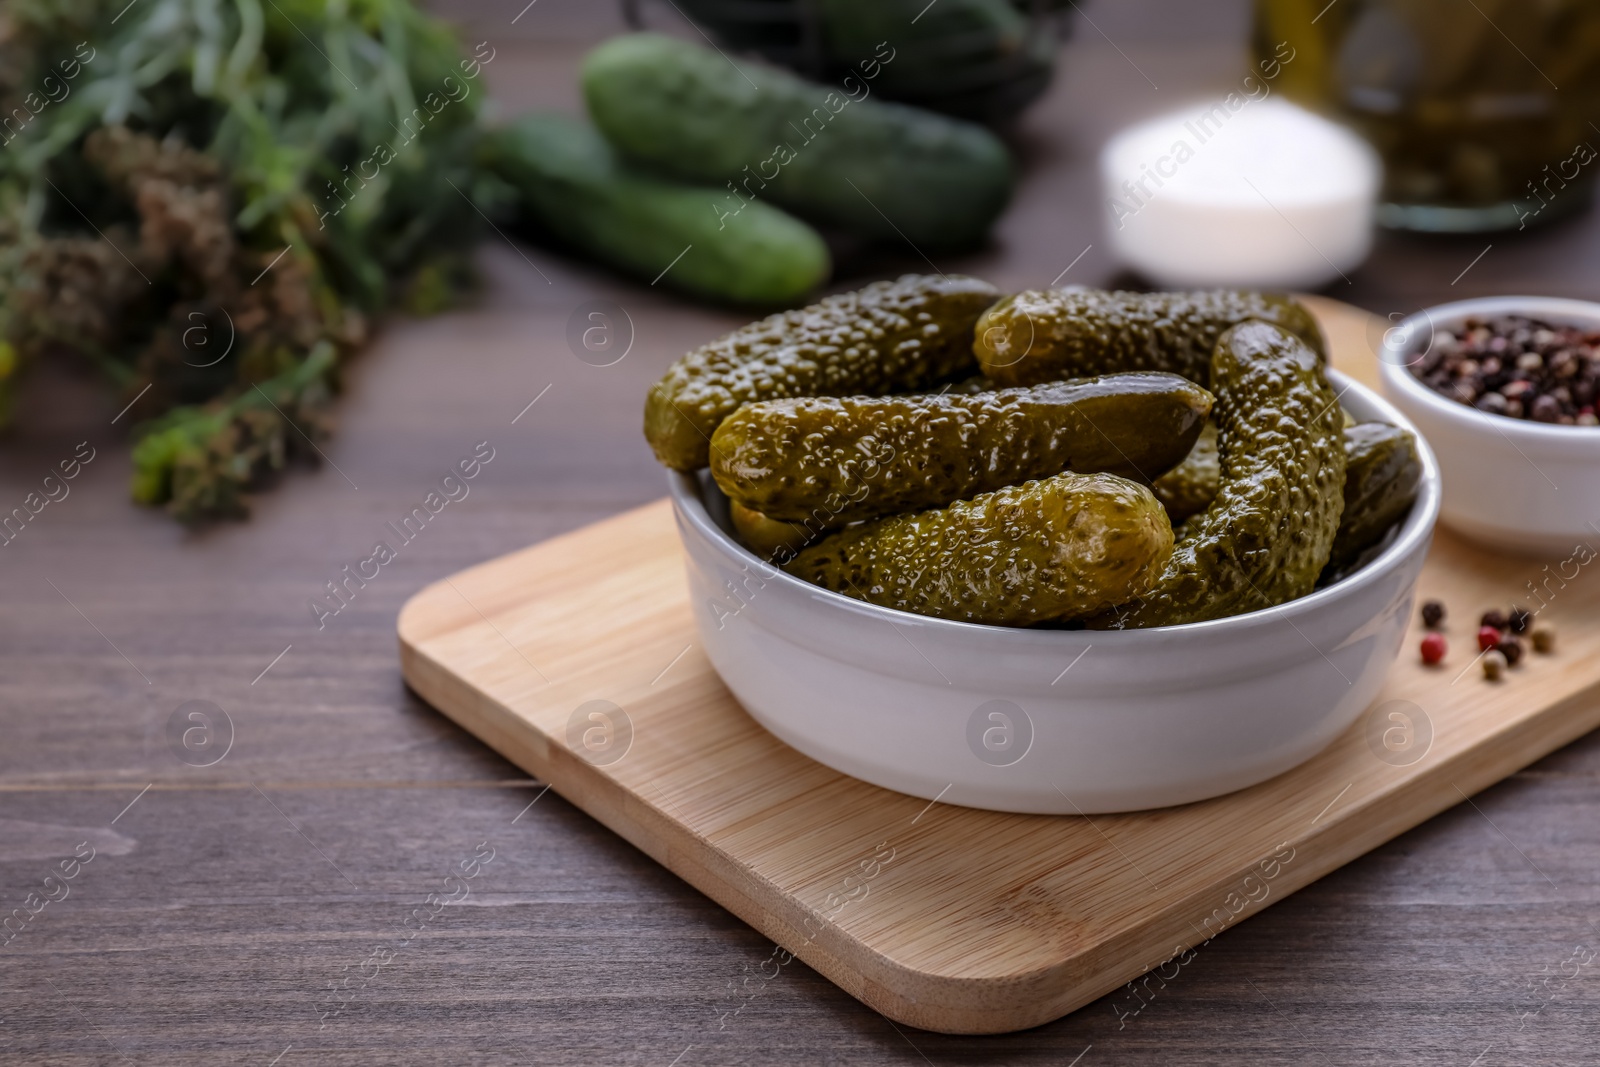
x: 1515, y: 484
x: 1050, y: 721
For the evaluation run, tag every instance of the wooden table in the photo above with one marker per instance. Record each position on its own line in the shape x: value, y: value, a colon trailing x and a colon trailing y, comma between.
x: 224, y: 901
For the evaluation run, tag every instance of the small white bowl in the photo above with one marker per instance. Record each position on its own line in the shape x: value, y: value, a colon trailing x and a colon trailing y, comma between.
x: 1050, y: 721
x: 1523, y: 486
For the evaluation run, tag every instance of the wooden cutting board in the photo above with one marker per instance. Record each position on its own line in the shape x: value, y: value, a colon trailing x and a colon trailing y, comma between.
x: 941, y: 917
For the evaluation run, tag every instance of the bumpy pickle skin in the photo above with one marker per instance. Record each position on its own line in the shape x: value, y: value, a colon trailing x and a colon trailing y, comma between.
x: 1191, y: 486
x: 888, y: 337
x: 1047, y: 334
x: 1057, y: 548
x: 1382, y: 473
x: 881, y: 456
x: 1266, y: 537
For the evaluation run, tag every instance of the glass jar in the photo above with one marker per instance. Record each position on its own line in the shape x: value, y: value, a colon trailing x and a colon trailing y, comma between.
x: 1481, y: 109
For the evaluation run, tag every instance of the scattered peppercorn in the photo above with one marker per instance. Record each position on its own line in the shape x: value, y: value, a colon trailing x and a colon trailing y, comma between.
x: 1544, y: 639
x: 1518, y: 367
x: 1511, y: 649
x: 1433, y: 648
x: 1488, y: 637
x: 1494, y: 665
x: 1519, y: 619
x: 1432, y: 614
x: 1495, y: 618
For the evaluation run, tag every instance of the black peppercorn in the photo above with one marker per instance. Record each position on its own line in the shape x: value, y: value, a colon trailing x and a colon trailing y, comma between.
x: 1518, y: 368
x: 1494, y: 618
x: 1432, y: 614
x: 1511, y: 649
x: 1519, y: 619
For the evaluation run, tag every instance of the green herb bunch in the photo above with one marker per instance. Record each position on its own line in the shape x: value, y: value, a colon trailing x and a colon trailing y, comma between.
x: 209, y: 200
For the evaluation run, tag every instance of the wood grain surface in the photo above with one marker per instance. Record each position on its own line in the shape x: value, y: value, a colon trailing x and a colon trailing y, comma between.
x: 214, y: 917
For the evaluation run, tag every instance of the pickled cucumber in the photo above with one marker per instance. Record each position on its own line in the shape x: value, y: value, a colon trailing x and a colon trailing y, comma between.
x: 1382, y: 472
x: 863, y: 457
x: 1191, y: 486
x: 1269, y: 532
x: 767, y: 537
x: 888, y: 337
x: 1044, y: 335
x: 1058, y: 548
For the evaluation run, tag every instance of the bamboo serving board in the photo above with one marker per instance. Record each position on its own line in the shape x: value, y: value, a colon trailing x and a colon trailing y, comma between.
x: 940, y: 917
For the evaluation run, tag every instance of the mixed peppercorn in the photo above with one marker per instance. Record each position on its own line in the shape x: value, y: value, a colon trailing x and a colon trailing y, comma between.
x: 1518, y: 367
x: 1500, y: 635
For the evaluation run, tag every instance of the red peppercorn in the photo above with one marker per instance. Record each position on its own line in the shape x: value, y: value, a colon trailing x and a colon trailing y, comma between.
x: 1488, y: 637
x: 1433, y: 648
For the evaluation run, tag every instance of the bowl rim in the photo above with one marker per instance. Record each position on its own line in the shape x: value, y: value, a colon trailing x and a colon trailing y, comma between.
x: 685, y: 489
x: 1421, y: 325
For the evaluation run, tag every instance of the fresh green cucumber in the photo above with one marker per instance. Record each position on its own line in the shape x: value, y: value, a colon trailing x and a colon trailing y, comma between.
x: 831, y: 154
x: 570, y: 183
x: 976, y: 59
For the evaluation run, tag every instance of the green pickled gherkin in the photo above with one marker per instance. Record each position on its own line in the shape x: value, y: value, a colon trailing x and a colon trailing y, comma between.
x: 1057, y: 548
x: 888, y: 337
x: 1382, y: 472
x: 854, y: 458
x: 1268, y: 534
x: 1189, y: 488
x: 1046, y: 334
x: 768, y: 537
